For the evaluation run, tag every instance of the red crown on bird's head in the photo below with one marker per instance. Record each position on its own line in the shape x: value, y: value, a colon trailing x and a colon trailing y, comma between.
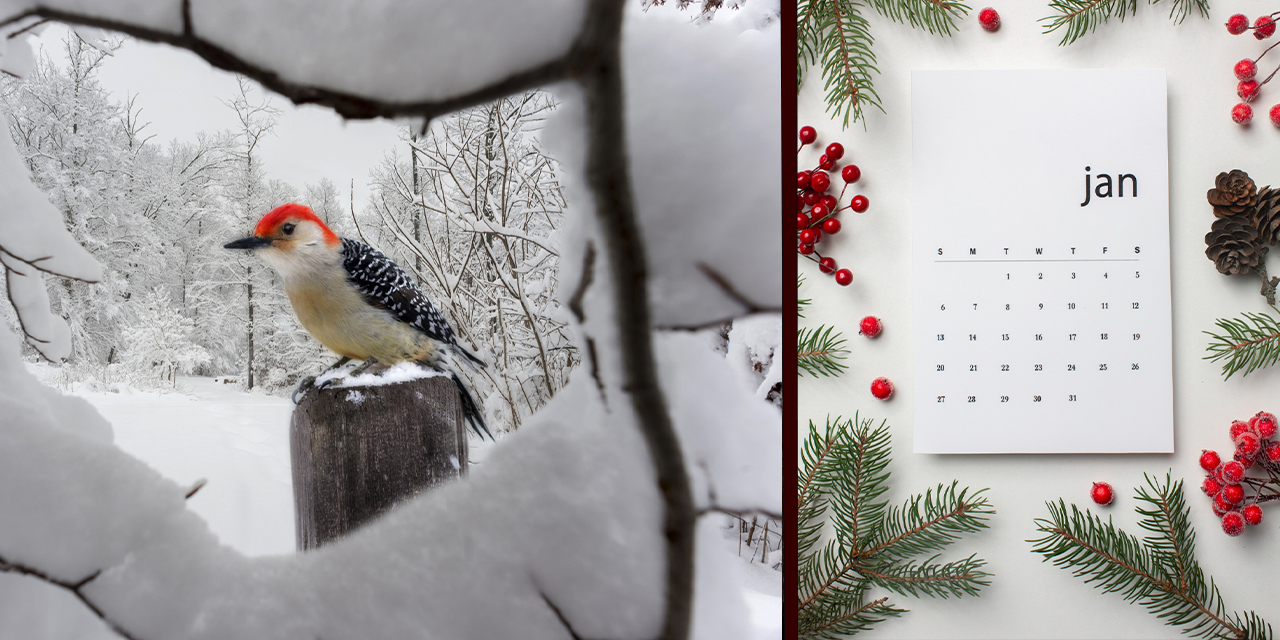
x: 271, y: 222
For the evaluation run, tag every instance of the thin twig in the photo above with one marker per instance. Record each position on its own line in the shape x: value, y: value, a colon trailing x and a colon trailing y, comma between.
x: 74, y: 587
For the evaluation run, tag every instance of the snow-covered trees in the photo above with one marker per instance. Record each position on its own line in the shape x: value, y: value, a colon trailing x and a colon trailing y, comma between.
x: 473, y: 215
x: 158, y: 339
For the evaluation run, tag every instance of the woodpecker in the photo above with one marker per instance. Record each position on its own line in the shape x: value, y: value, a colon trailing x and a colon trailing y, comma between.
x: 356, y: 301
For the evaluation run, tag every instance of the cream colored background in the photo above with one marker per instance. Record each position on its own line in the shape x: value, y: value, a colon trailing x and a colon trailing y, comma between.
x: 1030, y: 598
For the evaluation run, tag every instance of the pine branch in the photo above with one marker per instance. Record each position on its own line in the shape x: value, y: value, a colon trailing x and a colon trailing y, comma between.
x: 1247, y: 344
x: 930, y: 522
x: 1079, y: 17
x: 959, y: 578
x: 935, y: 16
x: 1182, y: 8
x: 807, y: 37
x: 819, y: 353
x: 1159, y: 572
x: 844, y: 473
x: 843, y: 41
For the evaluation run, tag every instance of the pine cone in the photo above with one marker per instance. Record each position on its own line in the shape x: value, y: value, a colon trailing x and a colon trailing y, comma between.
x: 1233, y: 245
x: 1266, y: 216
x: 1234, y: 194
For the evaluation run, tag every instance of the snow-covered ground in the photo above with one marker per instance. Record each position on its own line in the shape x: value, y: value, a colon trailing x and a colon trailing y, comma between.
x: 239, y: 443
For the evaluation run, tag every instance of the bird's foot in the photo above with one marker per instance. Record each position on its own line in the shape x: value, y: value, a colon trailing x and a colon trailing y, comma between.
x: 364, y: 366
x: 304, y: 386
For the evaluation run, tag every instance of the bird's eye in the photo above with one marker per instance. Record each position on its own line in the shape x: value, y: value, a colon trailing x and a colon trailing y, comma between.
x: 288, y: 228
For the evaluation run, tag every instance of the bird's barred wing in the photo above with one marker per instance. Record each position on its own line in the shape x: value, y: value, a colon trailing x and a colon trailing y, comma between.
x: 385, y: 285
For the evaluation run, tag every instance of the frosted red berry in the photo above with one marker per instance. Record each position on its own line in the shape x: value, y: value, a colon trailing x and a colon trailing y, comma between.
x: 882, y: 388
x: 1102, y: 493
x: 1232, y: 472
x: 1245, y: 461
x: 859, y: 203
x: 1233, y: 494
x: 990, y: 20
x: 818, y: 211
x: 1275, y: 115
x: 1263, y: 27
x: 808, y: 134
x: 1241, y: 114
x: 1246, y: 69
x: 1248, y: 445
x: 1252, y: 514
x: 844, y: 277
x: 1209, y: 460
x: 870, y: 326
x: 1211, y: 487
x: 829, y: 202
x: 831, y: 226
x: 802, y: 221
x: 1220, y: 505
x: 812, y: 197
x: 827, y: 265
x: 835, y: 151
x: 1272, y: 452
x: 1264, y: 425
x: 1237, y: 427
x: 851, y: 173
x: 820, y: 181
x: 1247, y: 90
x: 1233, y: 523
x: 1236, y: 25
x: 825, y: 163
x: 809, y: 237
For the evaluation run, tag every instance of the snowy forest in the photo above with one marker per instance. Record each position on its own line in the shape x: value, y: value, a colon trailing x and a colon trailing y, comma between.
x: 469, y: 209
x: 550, y: 191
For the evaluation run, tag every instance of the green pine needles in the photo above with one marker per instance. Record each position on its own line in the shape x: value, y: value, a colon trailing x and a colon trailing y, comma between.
x: 849, y: 542
x: 819, y: 352
x: 1077, y: 17
x: 1246, y: 344
x: 834, y: 34
x: 1159, y: 571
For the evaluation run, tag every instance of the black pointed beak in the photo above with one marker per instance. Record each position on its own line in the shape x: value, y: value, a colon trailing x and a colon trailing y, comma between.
x: 252, y: 242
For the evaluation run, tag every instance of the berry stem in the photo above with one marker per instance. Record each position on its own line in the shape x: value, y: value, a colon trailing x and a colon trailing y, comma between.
x: 1255, y: 60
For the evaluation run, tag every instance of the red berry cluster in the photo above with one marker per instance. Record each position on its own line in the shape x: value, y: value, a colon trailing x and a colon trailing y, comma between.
x: 1228, y: 482
x: 818, y: 208
x: 1246, y: 70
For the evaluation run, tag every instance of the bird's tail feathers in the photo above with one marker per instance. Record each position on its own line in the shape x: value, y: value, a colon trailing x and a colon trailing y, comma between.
x: 471, y: 412
x: 470, y: 359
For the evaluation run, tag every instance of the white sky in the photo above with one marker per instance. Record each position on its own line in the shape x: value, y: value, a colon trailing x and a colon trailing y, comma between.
x: 181, y: 95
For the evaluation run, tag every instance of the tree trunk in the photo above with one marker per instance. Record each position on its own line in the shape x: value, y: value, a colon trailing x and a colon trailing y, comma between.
x: 249, y: 295
x: 358, y: 451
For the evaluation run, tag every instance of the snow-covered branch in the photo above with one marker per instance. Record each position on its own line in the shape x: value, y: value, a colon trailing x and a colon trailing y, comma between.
x: 545, y: 506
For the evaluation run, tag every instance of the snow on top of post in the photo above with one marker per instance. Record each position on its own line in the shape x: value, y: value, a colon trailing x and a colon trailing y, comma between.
x: 395, y: 374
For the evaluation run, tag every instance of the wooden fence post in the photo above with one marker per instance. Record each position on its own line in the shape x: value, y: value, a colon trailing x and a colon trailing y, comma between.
x: 357, y: 451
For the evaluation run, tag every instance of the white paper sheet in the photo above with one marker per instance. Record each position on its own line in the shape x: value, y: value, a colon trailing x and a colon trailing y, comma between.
x: 1042, y: 319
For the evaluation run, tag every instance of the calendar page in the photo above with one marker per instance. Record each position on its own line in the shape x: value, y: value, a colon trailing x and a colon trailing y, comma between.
x: 1042, y: 319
